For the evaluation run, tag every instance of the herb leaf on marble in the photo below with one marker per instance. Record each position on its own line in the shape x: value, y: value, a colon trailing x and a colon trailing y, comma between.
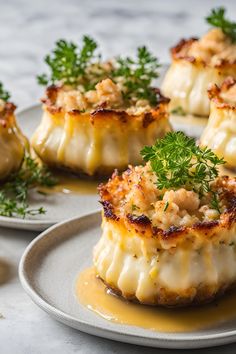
x: 4, y: 95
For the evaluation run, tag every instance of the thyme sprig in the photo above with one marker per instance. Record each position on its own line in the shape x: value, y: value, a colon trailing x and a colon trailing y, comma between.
x: 80, y: 67
x: 178, y: 162
x: 217, y: 19
x: 15, y: 192
x: 68, y: 63
x: 4, y: 95
x: 136, y: 75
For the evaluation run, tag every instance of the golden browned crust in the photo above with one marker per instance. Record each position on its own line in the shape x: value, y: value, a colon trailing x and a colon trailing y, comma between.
x: 214, y: 93
x: 179, y: 51
x: 193, y: 296
x: 143, y: 226
x: 102, y: 113
x: 50, y: 98
x: 6, y: 114
x: 182, y: 45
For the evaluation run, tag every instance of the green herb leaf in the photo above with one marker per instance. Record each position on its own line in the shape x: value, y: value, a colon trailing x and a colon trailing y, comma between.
x: 215, y: 201
x: 4, y: 95
x: 77, y: 67
x: 67, y: 63
x: 134, y: 207
x: 217, y: 19
x: 14, y: 193
x: 136, y: 75
x: 178, y: 162
x: 178, y: 111
x: 43, y: 79
x: 166, y: 206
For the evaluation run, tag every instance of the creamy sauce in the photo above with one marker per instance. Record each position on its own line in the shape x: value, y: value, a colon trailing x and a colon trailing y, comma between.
x: 92, y: 293
x: 188, y: 120
x: 68, y: 183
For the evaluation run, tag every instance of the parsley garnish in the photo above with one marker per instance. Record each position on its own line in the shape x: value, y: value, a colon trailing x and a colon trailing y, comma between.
x: 178, y: 162
x: 136, y: 75
x: 14, y: 193
x: 4, y: 95
x: 68, y: 63
x: 78, y: 68
x: 217, y: 19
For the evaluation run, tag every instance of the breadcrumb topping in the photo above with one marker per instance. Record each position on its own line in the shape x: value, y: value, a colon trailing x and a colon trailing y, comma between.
x: 214, y: 48
x: 107, y: 94
x: 229, y: 95
x: 135, y: 193
x: 224, y: 94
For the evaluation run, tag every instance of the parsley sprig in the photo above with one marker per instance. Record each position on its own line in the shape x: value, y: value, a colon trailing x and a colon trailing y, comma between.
x: 79, y: 67
x: 4, y: 95
x: 15, y: 192
x: 68, y: 63
x: 217, y: 19
x: 136, y: 75
x: 178, y: 162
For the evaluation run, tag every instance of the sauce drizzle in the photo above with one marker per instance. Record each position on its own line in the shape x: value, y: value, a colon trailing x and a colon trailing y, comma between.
x: 92, y: 293
x: 68, y: 183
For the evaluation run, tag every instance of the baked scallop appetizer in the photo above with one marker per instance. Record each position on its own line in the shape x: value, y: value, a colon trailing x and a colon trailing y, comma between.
x: 97, y: 115
x: 169, y: 227
x: 12, y: 141
x: 198, y: 62
x: 220, y: 132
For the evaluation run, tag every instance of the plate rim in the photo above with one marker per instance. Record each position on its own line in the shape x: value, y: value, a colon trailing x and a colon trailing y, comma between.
x: 26, y: 224
x: 162, y: 340
x: 27, y: 107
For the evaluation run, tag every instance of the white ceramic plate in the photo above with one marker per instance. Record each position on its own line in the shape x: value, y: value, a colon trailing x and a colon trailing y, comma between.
x: 49, y: 268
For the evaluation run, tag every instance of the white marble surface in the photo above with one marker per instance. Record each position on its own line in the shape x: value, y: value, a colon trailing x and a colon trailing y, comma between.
x: 28, y: 30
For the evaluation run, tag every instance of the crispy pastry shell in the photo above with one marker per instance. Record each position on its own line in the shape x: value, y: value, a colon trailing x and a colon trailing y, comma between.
x: 97, y: 142
x: 177, y: 267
